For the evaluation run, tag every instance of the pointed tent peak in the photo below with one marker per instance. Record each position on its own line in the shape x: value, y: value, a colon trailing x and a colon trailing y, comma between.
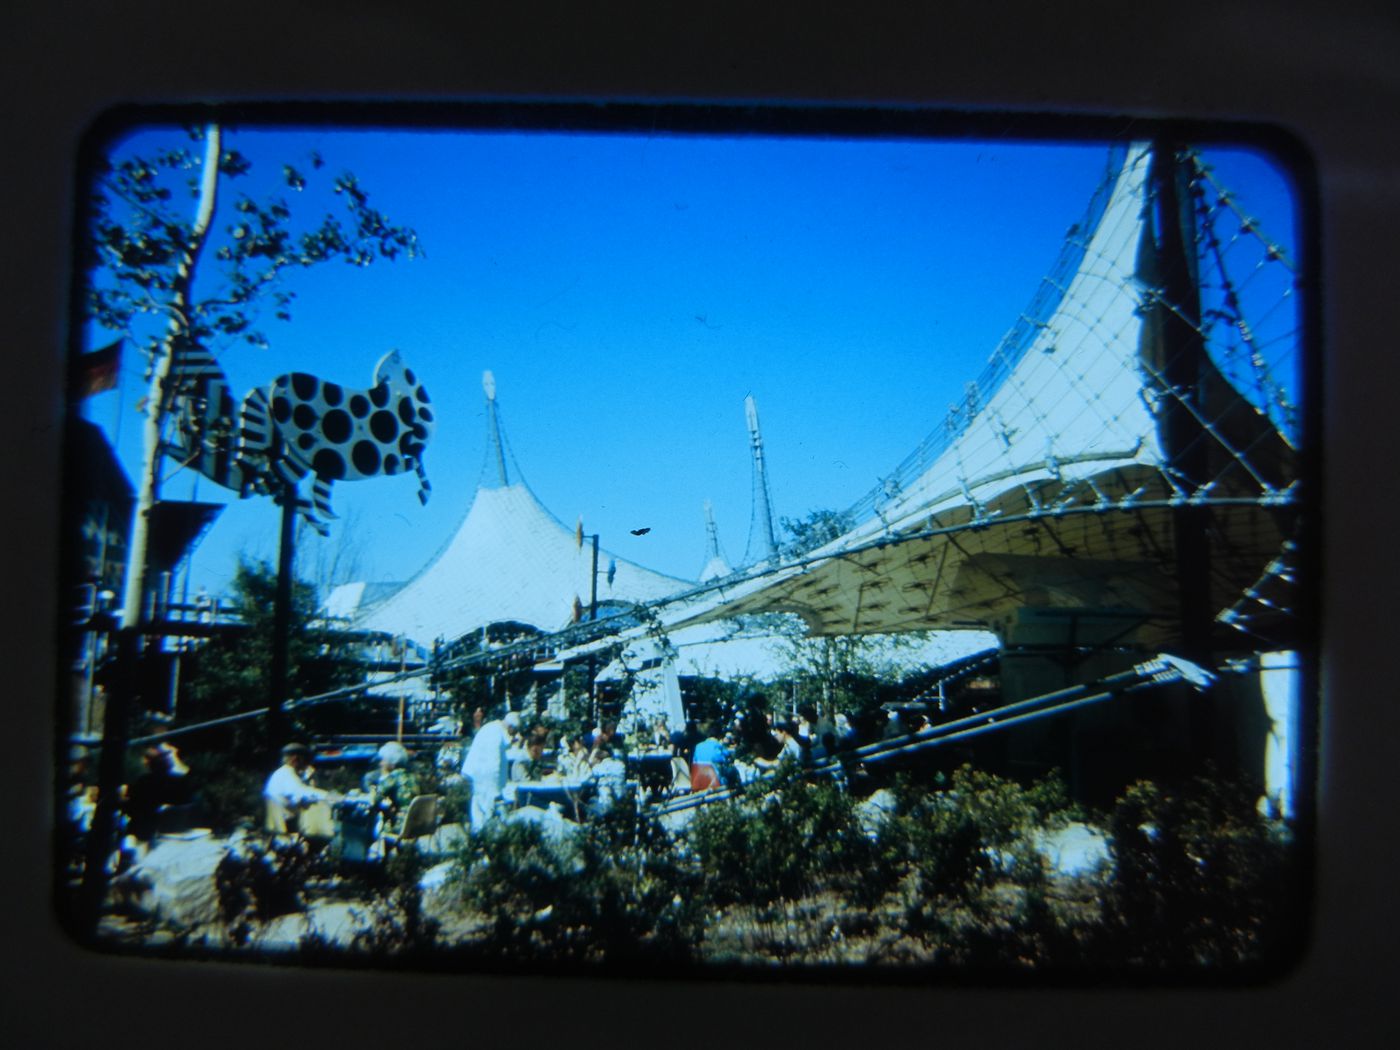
x: 495, y: 448
x: 761, y: 535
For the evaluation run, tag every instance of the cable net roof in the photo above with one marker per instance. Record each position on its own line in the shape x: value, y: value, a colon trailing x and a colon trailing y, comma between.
x: 1060, y: 477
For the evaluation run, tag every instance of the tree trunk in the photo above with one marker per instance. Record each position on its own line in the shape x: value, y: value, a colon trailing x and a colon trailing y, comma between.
x: 158, y: 395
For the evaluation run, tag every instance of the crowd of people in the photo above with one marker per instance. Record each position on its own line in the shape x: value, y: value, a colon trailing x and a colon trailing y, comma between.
x: 496, y: 754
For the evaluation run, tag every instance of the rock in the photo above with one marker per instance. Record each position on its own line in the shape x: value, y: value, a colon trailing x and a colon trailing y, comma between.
x: 174, y: 882
x: 676, y: 823
x: 337, y: 922
x: 446, y: 839
x: 438, y: 901
x: 284, y: 933
x: 873, y: 812
x: 1075, y: 849
x: 555, y: 825
x: 333, y: 923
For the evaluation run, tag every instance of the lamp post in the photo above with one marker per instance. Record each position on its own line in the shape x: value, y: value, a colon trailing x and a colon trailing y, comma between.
x: 579, y: 537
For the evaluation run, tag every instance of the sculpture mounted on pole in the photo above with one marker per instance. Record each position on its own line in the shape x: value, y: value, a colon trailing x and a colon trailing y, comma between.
x: 299, y: 424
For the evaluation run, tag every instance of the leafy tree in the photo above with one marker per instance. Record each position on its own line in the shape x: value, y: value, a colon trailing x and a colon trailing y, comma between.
x: 152, y: 228
x: 492, y: 682
x: 834, y: 672
x: 232, y: 670
x: 229, y: 675
x: 818, y: 528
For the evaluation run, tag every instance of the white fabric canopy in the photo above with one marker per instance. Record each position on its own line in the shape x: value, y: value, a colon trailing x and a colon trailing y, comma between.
x: 1051, y: 486
x: 510, y: 560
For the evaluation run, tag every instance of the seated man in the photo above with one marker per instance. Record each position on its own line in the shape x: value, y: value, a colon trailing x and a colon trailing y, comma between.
x: 287, y: 788
x: 790, y: 748
x: 162, y: 784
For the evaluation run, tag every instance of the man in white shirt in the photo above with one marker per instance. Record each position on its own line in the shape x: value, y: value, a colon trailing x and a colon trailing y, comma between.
x: 486, y: 767
x: 286, y: 786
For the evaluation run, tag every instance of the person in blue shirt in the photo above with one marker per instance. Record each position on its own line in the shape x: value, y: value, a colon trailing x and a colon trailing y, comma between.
x: 713, y: 752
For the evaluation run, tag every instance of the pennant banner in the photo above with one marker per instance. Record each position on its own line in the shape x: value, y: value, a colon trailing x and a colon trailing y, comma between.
x: 98, y: 371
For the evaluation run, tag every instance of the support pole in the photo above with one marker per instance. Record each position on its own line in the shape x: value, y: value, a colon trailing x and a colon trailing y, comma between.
x: 593, y: 586
x: 282, y: 619
x: 1187, y: 442
x: 101, y: 839
x: 403, y: 666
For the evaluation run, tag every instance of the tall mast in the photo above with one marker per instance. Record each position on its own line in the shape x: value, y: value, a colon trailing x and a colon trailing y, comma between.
x: 763, y: 510
x: 711, y: 533
x: 715, y: 566
x: 1182, y: 369
x: 493, y: 428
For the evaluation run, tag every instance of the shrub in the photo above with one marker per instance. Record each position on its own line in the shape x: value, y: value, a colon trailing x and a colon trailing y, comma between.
x: 257, y: 882
x: 1199, y: 879
x: 400, y: 930
x: 613, y: 890
x: 783, y: 840
x: 230, y: 795
x: 978, y: 889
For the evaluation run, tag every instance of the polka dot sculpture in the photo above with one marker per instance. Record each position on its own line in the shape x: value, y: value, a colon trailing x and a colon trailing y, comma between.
x: 300, y: 424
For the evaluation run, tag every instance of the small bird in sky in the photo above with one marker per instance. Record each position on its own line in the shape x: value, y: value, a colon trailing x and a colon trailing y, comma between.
x: 640, y: 532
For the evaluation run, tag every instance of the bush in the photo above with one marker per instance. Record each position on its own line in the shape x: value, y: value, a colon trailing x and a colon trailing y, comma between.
x: 978, y: 889
x: 230, y: 795
x: 400, y: 930
x: 612, y: 891
x: 257, y: 882
x: 1199, y: 879
x: 785, y: 839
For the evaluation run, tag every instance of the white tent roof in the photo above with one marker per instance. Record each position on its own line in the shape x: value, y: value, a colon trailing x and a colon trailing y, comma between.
x: 1049, y: 483
x: 510, y: 560
x: 713, y: 650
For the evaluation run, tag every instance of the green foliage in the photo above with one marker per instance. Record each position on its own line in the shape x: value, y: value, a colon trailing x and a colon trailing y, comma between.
x: 230, y: 794
x: 711, y: 699
x: 980, y: 829
x: 815, y: 530
x: 260, y: 882
x: 977, y: 888
x: 231, y: 672
x: 1199, y: 879
x: 612, y: 890
x: 399, y: 930
x: 488, y: 683
x: 784, y: 845
x: 142, y: 244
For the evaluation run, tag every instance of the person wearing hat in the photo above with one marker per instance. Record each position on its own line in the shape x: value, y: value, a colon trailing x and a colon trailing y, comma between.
x: 486, y: 768
x: 287, y: 785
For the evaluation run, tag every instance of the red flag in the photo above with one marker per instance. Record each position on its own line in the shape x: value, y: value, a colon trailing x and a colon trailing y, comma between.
x: 98, y: 370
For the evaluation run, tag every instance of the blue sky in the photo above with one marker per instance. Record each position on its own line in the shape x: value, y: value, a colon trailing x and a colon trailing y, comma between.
x: 628, y: 292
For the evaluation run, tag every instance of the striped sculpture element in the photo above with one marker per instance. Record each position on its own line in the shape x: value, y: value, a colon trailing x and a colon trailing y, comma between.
x: 300, y: 424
